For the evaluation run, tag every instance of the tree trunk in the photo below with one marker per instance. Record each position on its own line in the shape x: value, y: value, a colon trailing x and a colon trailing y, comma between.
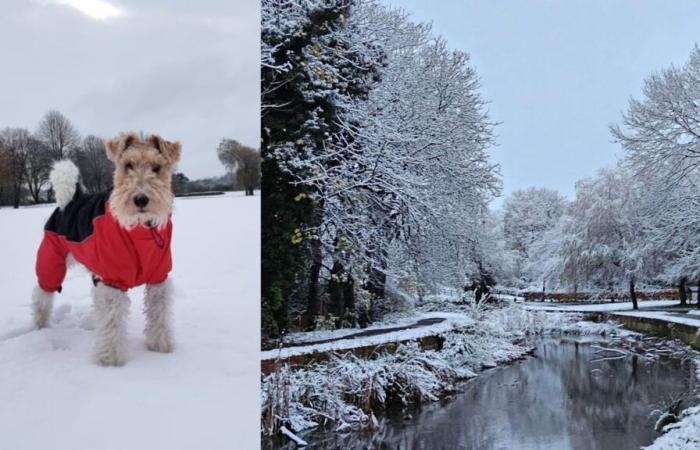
x: 16, y: 196
x: 376, y: 282
x: 335, y: 289
x: 349, y: 294
x: 681, y: 292
x: 313, y: 308
x: 544, y: 295
x: 376, y: 279
x: 633, y: 294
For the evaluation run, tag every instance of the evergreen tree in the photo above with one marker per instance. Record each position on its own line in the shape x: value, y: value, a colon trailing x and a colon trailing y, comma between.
x: 311, y: 72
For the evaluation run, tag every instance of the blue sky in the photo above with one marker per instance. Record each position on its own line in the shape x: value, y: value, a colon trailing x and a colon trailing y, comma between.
x: 558, y: 73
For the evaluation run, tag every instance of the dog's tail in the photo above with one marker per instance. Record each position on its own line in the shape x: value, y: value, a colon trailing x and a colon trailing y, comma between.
x: 64, y: 178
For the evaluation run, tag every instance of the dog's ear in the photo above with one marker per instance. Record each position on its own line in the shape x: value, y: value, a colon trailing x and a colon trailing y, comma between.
x: 115, y: 147
x: 170, y: 150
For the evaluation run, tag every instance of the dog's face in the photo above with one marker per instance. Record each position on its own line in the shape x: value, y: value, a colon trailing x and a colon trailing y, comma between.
x: 142, y: 192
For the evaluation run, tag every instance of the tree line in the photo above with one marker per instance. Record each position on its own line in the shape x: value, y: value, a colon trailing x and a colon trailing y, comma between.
x: 376, y: 172
x: 26, y: 158
x: 630, y: 225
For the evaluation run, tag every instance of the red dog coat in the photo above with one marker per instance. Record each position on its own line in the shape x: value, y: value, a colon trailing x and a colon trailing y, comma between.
x: 86, y: 229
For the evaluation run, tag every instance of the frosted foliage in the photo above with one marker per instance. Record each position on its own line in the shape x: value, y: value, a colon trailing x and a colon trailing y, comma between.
x: 406, y: 175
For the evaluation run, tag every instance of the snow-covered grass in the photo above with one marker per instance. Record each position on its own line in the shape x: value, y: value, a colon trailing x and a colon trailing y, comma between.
x: 201, y: 396
x: 345, y: 391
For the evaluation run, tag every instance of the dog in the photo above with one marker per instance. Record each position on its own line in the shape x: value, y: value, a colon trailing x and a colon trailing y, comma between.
x: 121, y: 236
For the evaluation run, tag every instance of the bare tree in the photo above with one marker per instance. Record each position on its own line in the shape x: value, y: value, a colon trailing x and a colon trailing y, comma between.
x: 15, y: 141
x: 5, y: 173
x: 58, y: 133
x: 38, y: 167
x: 244, y: 161
x: 95, y: 168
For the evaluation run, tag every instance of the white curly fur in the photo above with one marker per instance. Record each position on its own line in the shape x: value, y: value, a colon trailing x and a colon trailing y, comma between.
x: 158, y: 308
x: 111, y: 313
x: 42, y: 303
x: 64, y: 176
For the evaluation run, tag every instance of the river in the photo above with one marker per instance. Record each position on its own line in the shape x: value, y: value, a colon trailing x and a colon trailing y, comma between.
x: 559, y: 398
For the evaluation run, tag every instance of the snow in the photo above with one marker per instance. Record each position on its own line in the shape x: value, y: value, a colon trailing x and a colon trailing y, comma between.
x: 665, y: 316
x: 322, y: 335
x: 200, y: 396
x: 451, y: 321
x: 599, y: 307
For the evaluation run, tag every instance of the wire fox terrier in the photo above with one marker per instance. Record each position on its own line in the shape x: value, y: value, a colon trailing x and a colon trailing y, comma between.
x: 121, y: 236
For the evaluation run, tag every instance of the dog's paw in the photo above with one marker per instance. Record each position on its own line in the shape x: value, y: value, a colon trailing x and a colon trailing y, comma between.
x: 109, y: 354
x: 110, y: 359
x: 41, y: 323
x: 161, y: 343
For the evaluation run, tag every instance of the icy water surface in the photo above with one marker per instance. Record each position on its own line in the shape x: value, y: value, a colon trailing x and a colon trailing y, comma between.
x: 558, y: 399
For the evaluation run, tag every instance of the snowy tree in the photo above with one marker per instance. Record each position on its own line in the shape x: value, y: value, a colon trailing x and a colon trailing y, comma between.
x: 672, y: 232
x: 375, y: 150
x: 545, y: 265
x: 661, y: 137
x: 528, y: 215
x: 312, y: 71
x: 420, y: 178
x: 604, y: 236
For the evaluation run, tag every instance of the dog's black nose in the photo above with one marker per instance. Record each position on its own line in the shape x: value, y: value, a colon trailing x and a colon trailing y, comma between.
x: 141, y: 201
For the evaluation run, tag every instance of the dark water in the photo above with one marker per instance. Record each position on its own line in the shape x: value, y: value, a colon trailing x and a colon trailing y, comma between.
x: 558, y: 399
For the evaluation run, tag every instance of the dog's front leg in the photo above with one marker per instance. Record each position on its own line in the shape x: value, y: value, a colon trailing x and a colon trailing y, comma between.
x: 111, y: 313
x: 42, y: 302
x: 158, y: 306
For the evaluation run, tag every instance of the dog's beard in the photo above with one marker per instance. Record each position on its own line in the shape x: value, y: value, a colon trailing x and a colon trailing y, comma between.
x: 146, y: 219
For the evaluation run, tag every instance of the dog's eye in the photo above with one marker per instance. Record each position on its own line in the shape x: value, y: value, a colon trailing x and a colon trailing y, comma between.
x: 156, y: 169
x: 129, y: 166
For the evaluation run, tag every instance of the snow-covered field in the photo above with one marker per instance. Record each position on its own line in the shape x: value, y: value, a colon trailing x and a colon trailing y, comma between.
x: 204, y: 395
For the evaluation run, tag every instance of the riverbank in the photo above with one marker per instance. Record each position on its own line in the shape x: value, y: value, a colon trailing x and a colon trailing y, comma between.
x: 557, y: 398
x: 346, y: 391
x: 665, y: 319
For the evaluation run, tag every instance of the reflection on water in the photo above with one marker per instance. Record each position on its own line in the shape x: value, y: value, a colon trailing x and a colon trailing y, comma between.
x: 558, y: 399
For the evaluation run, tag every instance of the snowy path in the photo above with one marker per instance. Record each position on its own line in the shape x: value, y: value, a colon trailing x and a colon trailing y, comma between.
x: 345, y: 339
x: 667, y: 316
x: 420, y: 323
x: 598, y: 307
x: 201, y: 396
x: 652, y: 309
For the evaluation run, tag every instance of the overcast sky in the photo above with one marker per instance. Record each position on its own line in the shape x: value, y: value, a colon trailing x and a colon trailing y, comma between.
x: 188, y: 70
x: 558, y: 73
